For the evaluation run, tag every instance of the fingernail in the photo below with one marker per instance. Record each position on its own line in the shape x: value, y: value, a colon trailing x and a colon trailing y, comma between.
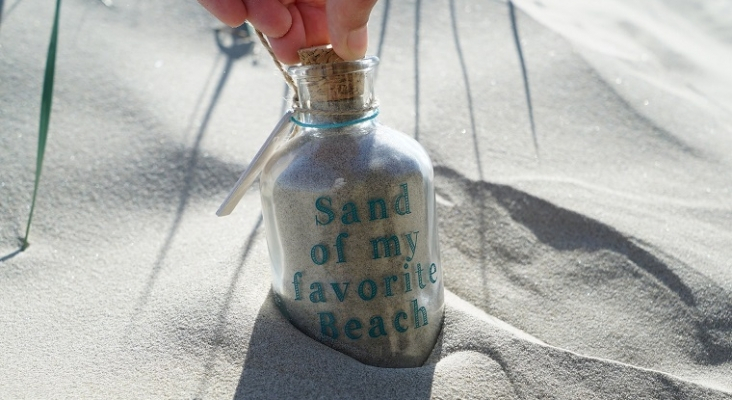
x: 357, y: 42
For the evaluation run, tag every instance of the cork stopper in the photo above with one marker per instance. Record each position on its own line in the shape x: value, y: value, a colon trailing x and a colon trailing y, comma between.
x: 335, y: 80
x: 318, y: 55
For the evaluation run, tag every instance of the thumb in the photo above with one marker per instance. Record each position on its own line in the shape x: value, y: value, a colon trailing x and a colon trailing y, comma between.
x: 347, y: 21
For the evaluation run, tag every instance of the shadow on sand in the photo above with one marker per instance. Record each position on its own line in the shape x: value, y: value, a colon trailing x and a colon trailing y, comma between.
x: 283, y: 363
x: 234, y: 43
x: 11, y: 255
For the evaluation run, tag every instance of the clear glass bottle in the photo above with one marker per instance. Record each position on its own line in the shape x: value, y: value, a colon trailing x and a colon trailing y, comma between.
x: 349, y: 211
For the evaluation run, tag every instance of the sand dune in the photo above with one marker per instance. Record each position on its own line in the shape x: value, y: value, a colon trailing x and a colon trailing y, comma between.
x: 586, y: 257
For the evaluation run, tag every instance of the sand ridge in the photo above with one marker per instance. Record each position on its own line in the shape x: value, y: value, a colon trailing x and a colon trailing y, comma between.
x: 595, y: 267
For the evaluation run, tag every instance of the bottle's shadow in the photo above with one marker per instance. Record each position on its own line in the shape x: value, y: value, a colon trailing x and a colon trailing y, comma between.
x: 282, y: 362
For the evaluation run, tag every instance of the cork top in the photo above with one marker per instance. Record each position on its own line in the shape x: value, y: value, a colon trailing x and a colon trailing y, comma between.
x: 318, y: 55
x: 335, y: 79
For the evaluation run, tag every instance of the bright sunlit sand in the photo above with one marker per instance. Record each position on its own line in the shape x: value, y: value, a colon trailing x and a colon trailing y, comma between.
x: 585, y: 225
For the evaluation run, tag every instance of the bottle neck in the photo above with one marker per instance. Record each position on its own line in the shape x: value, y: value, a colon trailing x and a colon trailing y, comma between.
x: 335, y: 114
x: 336, y: 94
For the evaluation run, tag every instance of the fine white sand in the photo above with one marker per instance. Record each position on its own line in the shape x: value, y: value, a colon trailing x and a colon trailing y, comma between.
x: 588, y: 259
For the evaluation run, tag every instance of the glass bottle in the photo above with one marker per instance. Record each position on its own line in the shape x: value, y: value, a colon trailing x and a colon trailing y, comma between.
x: 349, y: 211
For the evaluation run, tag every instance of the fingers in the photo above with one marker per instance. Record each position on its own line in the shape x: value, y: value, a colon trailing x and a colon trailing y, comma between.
x: 301, y: 24
x: 347, y: 21
x: 286, y: 46
x: 230, y: 12
x: 269, y: 16
x: 309, y: 28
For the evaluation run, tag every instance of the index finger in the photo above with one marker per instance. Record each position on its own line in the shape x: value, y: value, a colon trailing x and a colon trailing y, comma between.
x: 230, y: 12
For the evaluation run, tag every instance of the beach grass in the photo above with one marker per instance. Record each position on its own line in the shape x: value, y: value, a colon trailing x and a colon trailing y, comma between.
x: 45, y: 117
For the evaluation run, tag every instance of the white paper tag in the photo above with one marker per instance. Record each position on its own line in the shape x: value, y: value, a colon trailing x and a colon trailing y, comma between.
x: 273, y: 142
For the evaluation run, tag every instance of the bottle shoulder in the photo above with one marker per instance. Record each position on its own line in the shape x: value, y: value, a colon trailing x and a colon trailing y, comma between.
x: 318, y: 161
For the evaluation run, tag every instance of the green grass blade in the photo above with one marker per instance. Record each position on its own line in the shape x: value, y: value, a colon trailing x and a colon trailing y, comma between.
x: 46, y: 99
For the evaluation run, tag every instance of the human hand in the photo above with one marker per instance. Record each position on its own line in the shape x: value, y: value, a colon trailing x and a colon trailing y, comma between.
x: 291, y: 25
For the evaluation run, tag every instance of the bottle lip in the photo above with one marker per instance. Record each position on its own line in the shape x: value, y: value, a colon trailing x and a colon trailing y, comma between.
x: 344, y: 67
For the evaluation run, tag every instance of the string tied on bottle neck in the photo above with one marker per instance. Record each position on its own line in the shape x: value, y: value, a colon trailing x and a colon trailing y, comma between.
x: 288, y: 78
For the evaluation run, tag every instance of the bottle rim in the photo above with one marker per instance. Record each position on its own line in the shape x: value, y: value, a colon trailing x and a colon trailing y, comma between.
x: 344, y: 67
